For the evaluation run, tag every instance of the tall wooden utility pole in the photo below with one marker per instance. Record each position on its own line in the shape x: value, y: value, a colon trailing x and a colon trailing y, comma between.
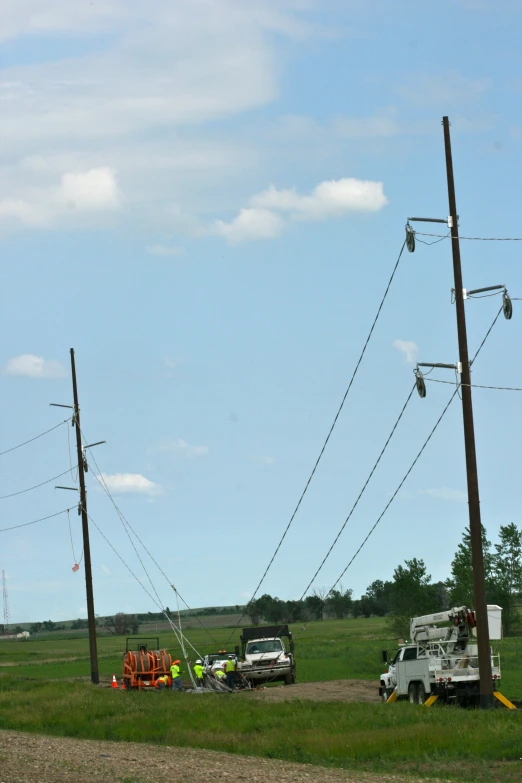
x: 95, y: 676
x: 475, y: 524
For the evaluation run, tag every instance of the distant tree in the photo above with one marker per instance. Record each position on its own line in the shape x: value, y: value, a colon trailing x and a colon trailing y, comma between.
x: 253, y: 610
x: 313, y: 607
x: 377, y: 598
x: 48, y: 625
x: 79, y: 624
x: 339, y: 603
x: 293, y: 611
x: 411, y: 595
x: 506, y: 574
x: 18, y: 629
x: 460, y: 583
x: 35, y: 628
x: 122, y: 624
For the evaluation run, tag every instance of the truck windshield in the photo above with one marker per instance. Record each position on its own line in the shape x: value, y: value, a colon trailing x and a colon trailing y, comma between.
x: 265, y: 646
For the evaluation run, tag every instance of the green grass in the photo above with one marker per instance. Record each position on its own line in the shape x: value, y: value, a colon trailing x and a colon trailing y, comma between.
x: 444, y: 742
x: 376, y: 737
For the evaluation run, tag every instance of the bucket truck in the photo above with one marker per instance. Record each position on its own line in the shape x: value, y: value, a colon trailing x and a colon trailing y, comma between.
x: 441, y: 659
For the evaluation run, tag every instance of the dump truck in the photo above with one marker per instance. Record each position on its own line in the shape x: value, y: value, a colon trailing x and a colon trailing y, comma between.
x: 441, y: 659
x: 264, y: 657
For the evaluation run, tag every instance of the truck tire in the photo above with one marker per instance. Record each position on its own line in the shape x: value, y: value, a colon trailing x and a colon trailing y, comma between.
x: 421, y: 693
x: 290, y: 678
x: 412, y: 693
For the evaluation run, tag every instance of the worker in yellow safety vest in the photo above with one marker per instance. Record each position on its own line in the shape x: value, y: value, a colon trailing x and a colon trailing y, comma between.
x: 175, y: 674
x: 219, y: 674
x: 199, y: 671
x: 162, y: 681
x: 230, y: 671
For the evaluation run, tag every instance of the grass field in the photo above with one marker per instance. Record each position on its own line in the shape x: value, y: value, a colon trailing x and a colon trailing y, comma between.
x: 440, y: 741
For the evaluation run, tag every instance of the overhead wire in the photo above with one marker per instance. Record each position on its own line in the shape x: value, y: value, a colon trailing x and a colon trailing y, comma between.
x: 477, y: 239
x: 42, y: 519
x: 478, y: 385
x: 125, y: 522
x: 19, y: 446
x: 287, y: 528
x: 388, y: 504
x: 158, y: 604
x: 397, y: 490
x: 29, y: 489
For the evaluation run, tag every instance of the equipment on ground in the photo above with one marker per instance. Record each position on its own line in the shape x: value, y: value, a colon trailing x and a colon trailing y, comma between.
x: 264, y: 656
x: 142, y: 667
x: 441, y: 660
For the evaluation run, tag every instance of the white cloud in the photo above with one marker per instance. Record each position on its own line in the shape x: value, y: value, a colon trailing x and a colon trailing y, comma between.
x: 23, y: 211
x: 94, y: 190
x: 329, y: 199
x: 181, y: 446
x: 163, y: 250
x: 130, y: 482
x: 445, y: 493
x: 250, y: 224
x: 408, y: 348
x: 90, y: 190
x: 31, y: 366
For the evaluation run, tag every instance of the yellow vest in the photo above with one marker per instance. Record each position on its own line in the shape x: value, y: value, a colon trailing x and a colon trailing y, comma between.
x: 230, y: 666
x: 174, y: 671
x: 198, y: 670
x: 162, y: 679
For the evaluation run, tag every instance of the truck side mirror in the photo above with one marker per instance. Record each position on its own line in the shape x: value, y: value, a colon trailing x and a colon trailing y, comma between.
x: 384, y: 656
x: 236, y: 650
x: 292, y: 646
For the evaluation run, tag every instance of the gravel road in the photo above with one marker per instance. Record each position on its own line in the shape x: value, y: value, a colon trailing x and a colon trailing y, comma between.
x: 32, y: 758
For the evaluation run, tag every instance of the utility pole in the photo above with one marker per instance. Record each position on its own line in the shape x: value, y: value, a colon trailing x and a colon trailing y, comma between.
x: 475, y: 525
x: 95, y: 676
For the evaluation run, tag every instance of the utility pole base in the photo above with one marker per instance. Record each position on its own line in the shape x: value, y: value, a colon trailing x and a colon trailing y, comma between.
x: 486, y: 701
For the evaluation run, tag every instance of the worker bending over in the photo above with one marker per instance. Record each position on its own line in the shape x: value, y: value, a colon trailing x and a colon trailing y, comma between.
x: 230, y: 671
x: 162, y: 682
x: 175, y: 673
x: 199, y: 671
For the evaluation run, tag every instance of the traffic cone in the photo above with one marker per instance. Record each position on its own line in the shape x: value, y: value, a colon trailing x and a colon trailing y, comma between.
x: 123, y: 686
x: 114, y: 683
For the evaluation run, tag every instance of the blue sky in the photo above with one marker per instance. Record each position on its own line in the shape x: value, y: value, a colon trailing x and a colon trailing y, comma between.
x: 206, y: 202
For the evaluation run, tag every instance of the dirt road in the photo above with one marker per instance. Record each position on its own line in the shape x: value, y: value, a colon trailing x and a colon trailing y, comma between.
x: 335, y: 690
x: 32, y: 758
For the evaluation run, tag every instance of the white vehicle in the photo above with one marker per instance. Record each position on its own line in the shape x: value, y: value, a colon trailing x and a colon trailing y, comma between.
x: 442, y: 658
x: 264, y: 656
x: 214, y: 661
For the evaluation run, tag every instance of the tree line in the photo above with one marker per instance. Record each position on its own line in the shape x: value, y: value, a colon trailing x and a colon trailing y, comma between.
x: 412, y: 593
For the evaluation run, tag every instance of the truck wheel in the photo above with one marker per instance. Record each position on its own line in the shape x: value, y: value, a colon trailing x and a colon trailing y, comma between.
x: 412, y: 693
x: 421, y: 693
x: 290, y: 679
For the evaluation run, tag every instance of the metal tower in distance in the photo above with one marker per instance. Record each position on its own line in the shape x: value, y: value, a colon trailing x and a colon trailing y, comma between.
x: 6, y: 603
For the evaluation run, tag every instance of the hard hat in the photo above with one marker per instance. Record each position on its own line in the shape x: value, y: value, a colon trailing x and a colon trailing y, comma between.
x: 230, y: 656
x: 176, y: 662
x: 198, y: 661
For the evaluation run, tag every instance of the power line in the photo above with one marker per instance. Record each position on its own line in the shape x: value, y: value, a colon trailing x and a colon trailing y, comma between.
x: 35, y: 437
x: 410, y: 468
x: 25, y: 524
x: 327, y: 438
x: 125, y: 522
x: 359, y: 496
x: 477, y: 385
x: 29, y: 489
x: 477, y: 239
x: 129, y: 569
